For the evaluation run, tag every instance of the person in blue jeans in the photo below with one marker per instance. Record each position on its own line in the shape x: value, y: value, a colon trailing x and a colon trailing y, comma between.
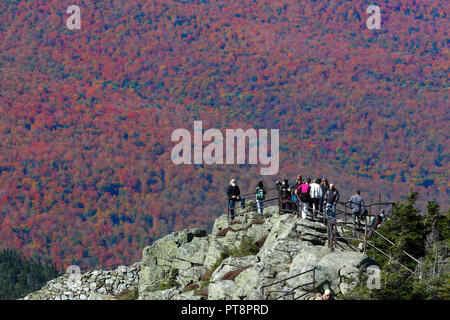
x: 260, y: 193
x: 234, y: 194
x: 331, y: 199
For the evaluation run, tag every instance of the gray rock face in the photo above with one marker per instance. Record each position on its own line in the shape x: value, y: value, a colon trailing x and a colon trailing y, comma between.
x: 191, y: 275
x: 191, y: 265
x: 222, y: 290
x: 193, y: 252
x: 92, y: 285
x: 230, y: 264
x: 214, y: 253
x: 176, y: 251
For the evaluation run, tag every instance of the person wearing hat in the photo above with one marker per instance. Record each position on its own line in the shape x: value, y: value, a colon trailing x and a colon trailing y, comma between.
x: 234, y: 194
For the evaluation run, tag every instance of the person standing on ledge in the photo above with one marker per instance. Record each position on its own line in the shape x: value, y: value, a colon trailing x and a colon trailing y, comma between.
x: 303, y: 193
x: 331, y: 199
x: 356, y: 204
x: 315, y: 194
x: 260, y: 192
x: 234, y: 194
x: 325, y: 187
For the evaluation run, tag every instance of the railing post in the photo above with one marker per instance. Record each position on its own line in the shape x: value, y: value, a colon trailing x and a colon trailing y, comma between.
x: 334, y: 235
x: 328, y: 232
x: 379, y: 201
x: 279, y: 202
x: 345, y: 214
x: 228, y: 209
x: 365, y: 237
x: 314, y: 279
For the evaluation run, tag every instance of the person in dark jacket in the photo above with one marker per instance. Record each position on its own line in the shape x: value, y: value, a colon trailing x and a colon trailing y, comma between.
x: 234, y: 194
x: 331, y: 199
x: 325, y: 187
x: 284, y: 192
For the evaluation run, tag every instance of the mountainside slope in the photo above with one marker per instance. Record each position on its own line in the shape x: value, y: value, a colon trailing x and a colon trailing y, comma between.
x: 86, y: 116
x: 233, y: 262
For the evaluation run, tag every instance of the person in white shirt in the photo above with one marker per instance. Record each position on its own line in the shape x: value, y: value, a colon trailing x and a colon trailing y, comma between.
x: 315, y: 194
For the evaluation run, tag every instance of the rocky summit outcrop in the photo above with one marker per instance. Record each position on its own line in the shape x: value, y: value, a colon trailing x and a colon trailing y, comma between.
x: 238, y: 260
x: 92, y: 285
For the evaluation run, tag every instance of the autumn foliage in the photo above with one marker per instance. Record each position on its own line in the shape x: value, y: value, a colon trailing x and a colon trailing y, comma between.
x: 86, y: 116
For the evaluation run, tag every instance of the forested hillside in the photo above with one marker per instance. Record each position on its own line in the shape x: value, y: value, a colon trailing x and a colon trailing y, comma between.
x: 86, y: 116
x: 19, y: 276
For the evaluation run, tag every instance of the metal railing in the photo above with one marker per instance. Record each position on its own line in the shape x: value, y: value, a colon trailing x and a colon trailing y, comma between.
x: 364, y: 237
x: 287, y: 205
x: 292, y: 291
x: 251, y: 205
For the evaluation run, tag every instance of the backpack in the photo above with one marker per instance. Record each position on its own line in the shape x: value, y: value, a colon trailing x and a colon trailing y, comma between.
x: 364, y: 214
x: 259, y: 194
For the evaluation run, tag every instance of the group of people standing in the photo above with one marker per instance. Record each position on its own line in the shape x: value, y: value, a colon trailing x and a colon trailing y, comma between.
x: 306, y: 197
x: 303, y: 194
x: 234, y: 195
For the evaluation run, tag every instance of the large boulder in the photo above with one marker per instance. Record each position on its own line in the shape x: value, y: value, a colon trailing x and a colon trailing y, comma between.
x: 230, y: 264
x: 215, y: 251
x: 151, y: 276
x: 222, y: 290
x: 250, y: 281
x: 332, y: 264
x: 220, y: 223
x: 279, y: 254
x: 306, y: 259
x: 167, y: 294
x: 178, y: 250
x: 194, y: 251
x: 190, y: 275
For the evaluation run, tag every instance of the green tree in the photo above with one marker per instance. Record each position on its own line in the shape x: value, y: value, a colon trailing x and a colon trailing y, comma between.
x: 425, y: 237
x: 19, y: 276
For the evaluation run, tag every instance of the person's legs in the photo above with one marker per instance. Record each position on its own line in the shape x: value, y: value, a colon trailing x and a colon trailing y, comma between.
x: 242, y: 202
x: 354, y: 221
x: 259, y: 204
x: 294, y: 203
x: 327, y: 212
x: 305, y: 210
x: 327, y: 209
x: 315, y: 207
x: 231, y: 202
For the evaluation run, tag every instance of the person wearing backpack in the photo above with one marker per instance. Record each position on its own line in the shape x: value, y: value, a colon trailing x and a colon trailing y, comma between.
x: 356, y: 204
x: 376, y: 221
x: 260, y: 193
